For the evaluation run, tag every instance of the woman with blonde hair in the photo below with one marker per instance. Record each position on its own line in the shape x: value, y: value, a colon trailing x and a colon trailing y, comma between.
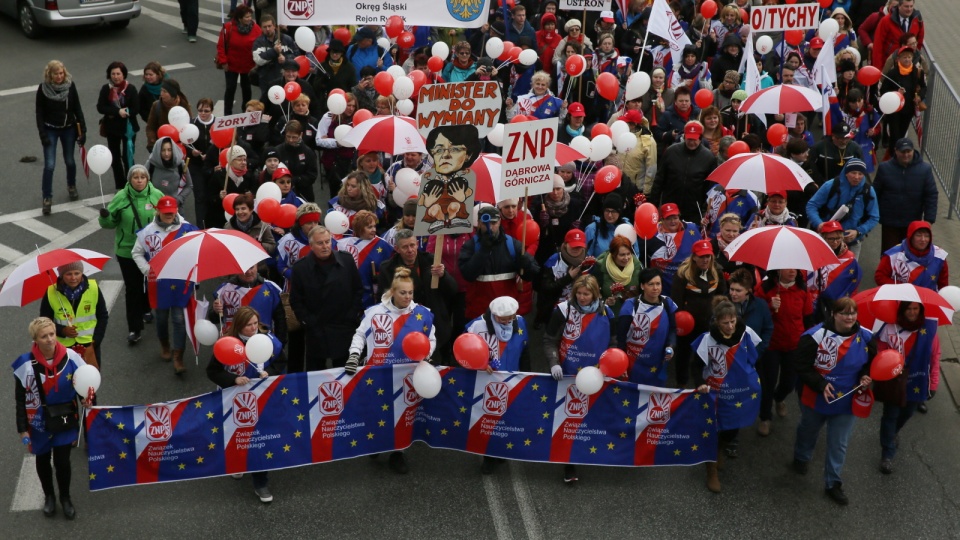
x: 356, y: 194
x: 540, y: 102
x: 59, y: 120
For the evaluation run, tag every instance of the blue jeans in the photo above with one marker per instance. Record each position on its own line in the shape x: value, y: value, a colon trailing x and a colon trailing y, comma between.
x: 839, y: 428
x: 68, y: 138
x: 893, y: 419
x: 175, y: 316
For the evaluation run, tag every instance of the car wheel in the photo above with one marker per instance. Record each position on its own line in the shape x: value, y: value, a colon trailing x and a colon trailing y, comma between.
x: 28, y: 21
x: 120, y: 25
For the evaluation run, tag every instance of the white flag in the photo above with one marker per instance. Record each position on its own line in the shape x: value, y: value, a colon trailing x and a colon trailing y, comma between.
x: 826, y: 61
x: 752, y: 80
x: 664, y: 23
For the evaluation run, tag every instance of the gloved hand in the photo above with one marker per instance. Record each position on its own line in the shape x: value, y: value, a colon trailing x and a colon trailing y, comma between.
x: 104, y: 213
x: 353, y: 362
x: 557, y: 373
x: 544, y: 218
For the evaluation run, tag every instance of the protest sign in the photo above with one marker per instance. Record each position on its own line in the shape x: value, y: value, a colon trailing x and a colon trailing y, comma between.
x: 529, y: 153
x: 443, y: 13
x: 476, y: 103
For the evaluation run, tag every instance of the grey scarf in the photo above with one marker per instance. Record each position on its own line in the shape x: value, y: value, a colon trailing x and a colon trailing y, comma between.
x: 57, y: 92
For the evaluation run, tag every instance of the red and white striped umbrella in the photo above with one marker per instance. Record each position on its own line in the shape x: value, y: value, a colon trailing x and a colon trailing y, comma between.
x: 487, y: 169
x: 29, y: 281
x: 782, y: 98
x: 778, y: 247
x: 881, y: 303
x: 206, y: 254
x: 566, y: 154
x: 767, y: 173
x: 391, y: 134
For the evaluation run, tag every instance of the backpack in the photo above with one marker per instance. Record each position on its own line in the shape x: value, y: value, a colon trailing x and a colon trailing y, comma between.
x: 835, y: 192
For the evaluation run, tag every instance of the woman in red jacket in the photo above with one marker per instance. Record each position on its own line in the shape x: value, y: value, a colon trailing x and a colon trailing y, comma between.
x: 786, y: 293
x: 235, y: 55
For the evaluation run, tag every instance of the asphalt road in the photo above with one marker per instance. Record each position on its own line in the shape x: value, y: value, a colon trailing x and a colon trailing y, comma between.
x: 444, y: 496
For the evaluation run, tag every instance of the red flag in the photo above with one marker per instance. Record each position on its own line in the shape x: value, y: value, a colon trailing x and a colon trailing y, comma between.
x: 83, y: 160
x: 193, y: 312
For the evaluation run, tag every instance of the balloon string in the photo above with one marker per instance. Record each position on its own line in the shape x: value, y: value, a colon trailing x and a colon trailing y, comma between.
x: 103, y: 200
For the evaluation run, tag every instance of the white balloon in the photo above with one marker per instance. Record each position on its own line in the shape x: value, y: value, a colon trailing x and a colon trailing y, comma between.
x: 178, y: 117
x: 408, y: 180
x: 189, y: 134
x: 85, y: 378
x: 336, y: 103
x: 829, y: 29
x: 496, y: 135
x: 625, y: 142
x: 99, y: 158
x: 637, y: 85
x: 600, y: 147
x: 627, y: 231
x: 528, y: 57
x: 764, y: 44
x: 441, y: 49
x: 589, y: 380
x: 890, y: 102
x: 581, y: 144
x: 951, y: 294
x: 494, y: 47
x: 402, y: 87
x: 340, y: 132
x: 400, y: 196
x: 259, y: 348
x: 619, y: 127
x: 276, y: 94
x: 384, y: 43
x: 426, y: 380
x: 206, y: 332
x: 336, y: 222
x: 396, y: 71
x: 268, y: 190
x: 305, y: 38
x: 405, y: 106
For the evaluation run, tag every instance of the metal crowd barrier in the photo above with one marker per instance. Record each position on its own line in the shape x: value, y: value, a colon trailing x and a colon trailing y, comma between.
x: 940, y: 141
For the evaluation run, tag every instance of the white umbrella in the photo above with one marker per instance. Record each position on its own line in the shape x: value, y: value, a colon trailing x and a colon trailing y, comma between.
x: 391, y: 134
x: 782, y: 98
x: 781, y: 246
x: 206, y: 254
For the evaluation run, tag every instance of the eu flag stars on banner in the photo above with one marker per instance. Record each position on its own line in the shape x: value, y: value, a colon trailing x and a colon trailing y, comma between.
x: 260, y: 425
x: 595, y: 429
x: 113, y: 454
x: 446, y: 422
x: 511, y: 416
x: 675, y: 427
x: 350, y: 416
x: 179, y: 439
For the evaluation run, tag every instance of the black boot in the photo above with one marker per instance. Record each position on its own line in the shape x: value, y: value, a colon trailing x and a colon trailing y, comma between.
x: 49, y: 505
x: 68, y: 510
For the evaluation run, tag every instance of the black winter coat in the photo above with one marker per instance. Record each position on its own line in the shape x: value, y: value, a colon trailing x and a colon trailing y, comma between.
x: 327, y: 300
x: 682, y: 179
x: 59, y: 114
x: 906, y: 194
x: 113, y: 123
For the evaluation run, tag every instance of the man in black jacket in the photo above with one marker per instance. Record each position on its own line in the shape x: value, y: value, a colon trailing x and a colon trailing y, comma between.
x: 325, y: 295
x: 682, y: 174
x: 906, y: 192
x: 300, y: 159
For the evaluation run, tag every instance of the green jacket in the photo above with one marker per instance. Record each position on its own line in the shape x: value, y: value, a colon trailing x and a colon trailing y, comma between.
x: 605, y: 281
x: 122, y: 218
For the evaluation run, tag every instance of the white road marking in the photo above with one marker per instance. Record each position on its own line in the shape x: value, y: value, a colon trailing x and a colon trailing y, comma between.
x: 175, y: 22
x: 29, y: 493
x: 64, y: 241
x: 7, y: 253
x: 111, y: 291
x: 63, y: 207
x: 528, y: 511
x: 218, y: 108
x: 185, y: 65
x: 135, y: 73
x: 171, y: 4
x: 501, y: 523
x: 39, y: 228
x: 85, y: 212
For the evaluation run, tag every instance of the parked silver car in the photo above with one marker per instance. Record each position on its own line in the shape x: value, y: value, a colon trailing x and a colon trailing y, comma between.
x: 36, y: 15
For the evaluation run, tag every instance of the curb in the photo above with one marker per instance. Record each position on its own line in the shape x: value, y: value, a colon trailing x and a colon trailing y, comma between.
x: 950, y: 371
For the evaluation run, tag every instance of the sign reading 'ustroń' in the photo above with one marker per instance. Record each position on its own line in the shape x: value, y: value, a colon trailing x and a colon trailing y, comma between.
x: 529, y: 152
x: 476, y: 103
x: 586, y: 5
x: 445, y: 13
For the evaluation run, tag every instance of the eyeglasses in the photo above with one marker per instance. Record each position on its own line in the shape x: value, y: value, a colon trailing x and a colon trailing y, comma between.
x: 463, y: 53
x: 847, y: 313
x: 452, y: 150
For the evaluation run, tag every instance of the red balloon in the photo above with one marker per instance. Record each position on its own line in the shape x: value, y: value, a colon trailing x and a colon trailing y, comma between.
x: 684, y: 322
x: 383, y: 82
x: 394, y: 26
x: 304, y: 66
x: 738, y: 147
x: 519, y: 118
x: 183, y: 149
x: 406, y: 40
x: 229, y: 351
x: 607, y: 179
x: 336, y: 91
x: 777, y: 135
x: 794, y: 37
x: 291, y: 90
x: 222, y: 138
x: 868, y: 75
x: 228, y: 202
x: 745, y: 17
x: 533, y: 231
x: 416, y: 345
x: 287, y: 216
x: 884, y: 310
x: 321, y: 52
x: 886, y: 365
x: 361, y: 116
x: 342, y: 35
x: 268, y: 210
x: 608, y: 86
x: 599, y: 129
x: 167, y: 130
x: 791, y: 2
x: 435, y: 63
x: 613, y: 362
x: 708, y: 9
x: 575, y: 65
x: 471, y: 351
x: 507, y: 47
x: 703, y: 98
x: 515, y: 54
x: 645, y: 221
x: 419, y: 79
x: 223, y: 158
x: 825, y: 4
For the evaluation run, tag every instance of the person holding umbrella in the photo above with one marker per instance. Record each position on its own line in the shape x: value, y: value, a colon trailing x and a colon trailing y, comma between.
x: 73, y: 294
x: 43, y: 382
x: 130, y: 210
x: 832, y: 358
x: 119, y: 105
x: 833, y: 281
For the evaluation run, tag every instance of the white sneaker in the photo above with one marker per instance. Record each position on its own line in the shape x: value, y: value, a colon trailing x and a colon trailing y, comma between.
x: 236, y: 476
x: 264, y: 494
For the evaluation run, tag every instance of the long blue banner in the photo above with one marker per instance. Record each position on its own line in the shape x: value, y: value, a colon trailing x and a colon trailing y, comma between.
x: 303, y: 418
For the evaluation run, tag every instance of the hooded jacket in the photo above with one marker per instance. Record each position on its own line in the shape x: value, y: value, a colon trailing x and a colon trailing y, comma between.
x: 864, y: 213
x: 905, y: 264
x: 725, y: 62
x: 130, y: 211
x: 172, y: 178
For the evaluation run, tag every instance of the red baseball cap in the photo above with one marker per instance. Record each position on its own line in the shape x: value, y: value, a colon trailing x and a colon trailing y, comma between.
x: 576, y: 109
x: 633, y: 116
x: 830, y: 226
x: 777, y: 194
x: 607, y: 16
x: 669, y: 209
x: 575, y: 238
x: 280, y: 173
x: 693, y: 130
x: 816, y: 43
x: 167, y: 205
x: 702, y: 247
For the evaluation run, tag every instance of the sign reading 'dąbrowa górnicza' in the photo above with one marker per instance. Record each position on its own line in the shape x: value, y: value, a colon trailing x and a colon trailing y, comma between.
x: 529, y: 153
x: 445, y: 13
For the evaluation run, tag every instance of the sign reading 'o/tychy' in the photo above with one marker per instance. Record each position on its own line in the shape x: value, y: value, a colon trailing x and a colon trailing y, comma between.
x: 780, y: 18
x: 445, y: 13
